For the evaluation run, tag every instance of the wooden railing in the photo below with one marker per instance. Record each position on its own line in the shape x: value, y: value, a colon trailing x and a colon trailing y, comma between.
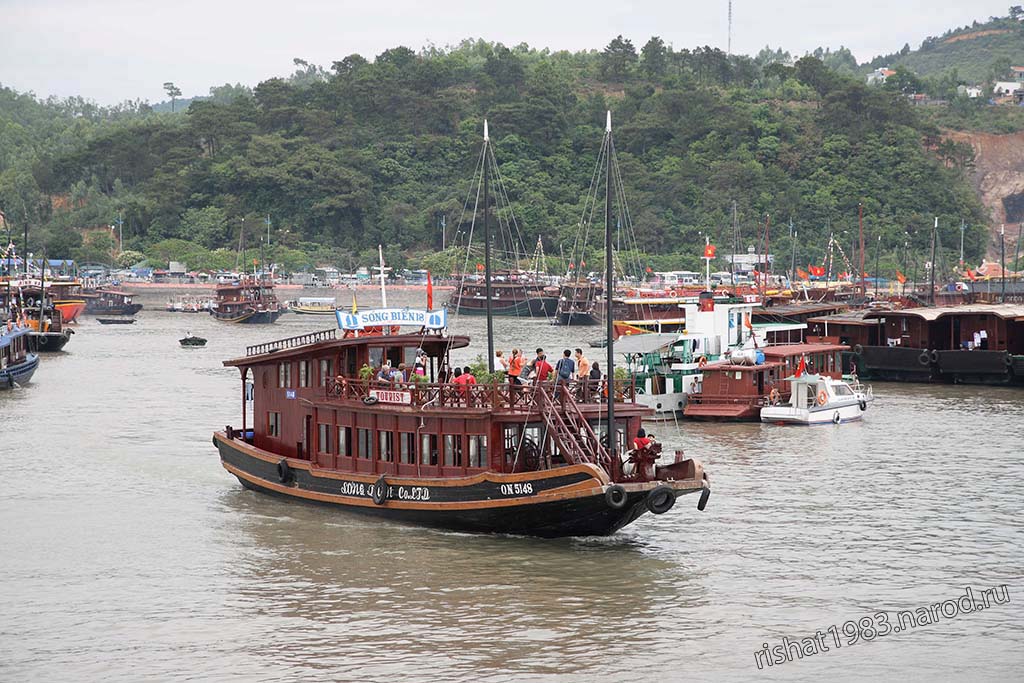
x: 496, y: 396
x: 291, y: 342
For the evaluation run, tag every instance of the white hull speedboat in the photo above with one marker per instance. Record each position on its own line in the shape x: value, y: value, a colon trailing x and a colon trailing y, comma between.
x: 818, y: 400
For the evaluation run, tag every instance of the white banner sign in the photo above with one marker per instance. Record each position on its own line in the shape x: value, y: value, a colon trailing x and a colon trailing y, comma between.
x: 432, y: 320
x: 390, y: 396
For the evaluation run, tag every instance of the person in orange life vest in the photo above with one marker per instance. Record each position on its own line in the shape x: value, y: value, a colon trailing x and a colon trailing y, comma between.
x: 515, y: 367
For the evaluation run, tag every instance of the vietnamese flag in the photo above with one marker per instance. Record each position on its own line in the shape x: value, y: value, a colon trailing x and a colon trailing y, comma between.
x: 971, y: 275
x: 801, y: 368
x: 801, y: 273
x: 709, y: 251
x: 571, y: 265
x: 430, y: 292
x: 900, y: 277
x: 746, y: 322
x: 479, y: 266
x: 649, y: 269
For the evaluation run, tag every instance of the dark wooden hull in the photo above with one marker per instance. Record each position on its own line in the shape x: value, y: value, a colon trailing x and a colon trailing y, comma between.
x: 49, y: 342
x: 250, y: 317
x: 21, y: 373
x: 896, y: 364
x: 533, y: 307
x: 116, y: 321
x: 567, y: 501
x: 122, y: 309
x: 576, y: 318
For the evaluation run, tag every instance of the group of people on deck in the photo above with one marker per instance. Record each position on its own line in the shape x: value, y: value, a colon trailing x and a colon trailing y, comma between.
x: 565, y: 369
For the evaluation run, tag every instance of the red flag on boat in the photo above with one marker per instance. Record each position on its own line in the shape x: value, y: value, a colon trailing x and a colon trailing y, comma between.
x: 430, y: 292
x: 816, y: 271
x: 709, y: 251
x: 571, y: 265
x: 479, y: 266
x: 649, y: 269
x: 842, y: 275
x: 970, y: 274
x: 900, y: 277
x: 801, y: 368
x: 746, y: 322
x: 801, y: 273
x: 583, y: 264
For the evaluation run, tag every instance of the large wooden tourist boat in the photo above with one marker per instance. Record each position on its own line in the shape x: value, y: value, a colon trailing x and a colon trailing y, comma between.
x: 17, y: 362
x: 25, y: 302
x: 965, y: 344
x: 512, y: 294
x: 540, y: 460
x: 250, y: 301
x: 110, y: 301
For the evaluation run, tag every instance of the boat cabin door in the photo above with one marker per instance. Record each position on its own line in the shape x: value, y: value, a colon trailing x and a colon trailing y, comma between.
x: 307, y: 438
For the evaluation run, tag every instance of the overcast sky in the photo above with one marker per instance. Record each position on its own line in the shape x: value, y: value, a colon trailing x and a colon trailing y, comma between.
x: 112, y: 50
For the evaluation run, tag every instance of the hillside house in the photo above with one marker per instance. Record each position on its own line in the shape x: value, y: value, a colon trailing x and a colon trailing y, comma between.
x: 971, y: 91
x: 1017, y: 74
x: 1006, y: 87
x: 878, y: 76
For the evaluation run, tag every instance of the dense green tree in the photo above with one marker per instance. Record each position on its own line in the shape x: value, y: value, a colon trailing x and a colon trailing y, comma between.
x: 618, y: 59
x: 654, y: 57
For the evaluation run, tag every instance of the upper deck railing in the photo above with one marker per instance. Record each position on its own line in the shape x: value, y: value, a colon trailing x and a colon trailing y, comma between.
x: 291, y: 342
x: 496, y: 396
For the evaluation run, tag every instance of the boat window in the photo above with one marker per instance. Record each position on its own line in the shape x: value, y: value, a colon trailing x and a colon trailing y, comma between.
x: 284, y: 375
x: 274, y: 424
x: 344, y: 437
x: 453, y: 450
x: 325, y: 371
x: 428, y: 449
x: 376, y: 354
x: 365, y: 437
x: 477, y: 450
x: 303, y: 373
x: 387, y: 445
x: 407, y: 448
x: 842, y: 390
x: 323, y: 438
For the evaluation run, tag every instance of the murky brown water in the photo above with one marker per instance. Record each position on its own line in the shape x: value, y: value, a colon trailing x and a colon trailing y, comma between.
x: 129, y: 554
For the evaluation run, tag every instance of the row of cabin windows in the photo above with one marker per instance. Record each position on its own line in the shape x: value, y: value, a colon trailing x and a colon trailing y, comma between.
x: 457, y: 450
x: 284, y: 373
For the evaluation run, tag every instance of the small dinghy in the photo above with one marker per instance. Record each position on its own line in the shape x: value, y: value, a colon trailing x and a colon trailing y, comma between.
x: 116, y: 321
x: 191, y: 340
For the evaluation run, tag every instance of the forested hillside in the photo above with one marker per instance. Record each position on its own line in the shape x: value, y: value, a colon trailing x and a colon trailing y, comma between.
x: 378, y: 151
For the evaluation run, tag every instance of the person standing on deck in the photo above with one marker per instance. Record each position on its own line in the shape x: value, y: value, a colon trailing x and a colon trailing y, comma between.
x: 582, y: 365
x: 500, y: 362
x: 565, y: 368
x: 515, y: 368
x: 541, y: 368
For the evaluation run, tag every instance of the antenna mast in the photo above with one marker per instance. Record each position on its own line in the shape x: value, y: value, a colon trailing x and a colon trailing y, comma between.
x: 728, y: 49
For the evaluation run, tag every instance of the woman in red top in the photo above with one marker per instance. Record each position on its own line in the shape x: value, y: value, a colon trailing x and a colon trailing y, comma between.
x: 641, y: 441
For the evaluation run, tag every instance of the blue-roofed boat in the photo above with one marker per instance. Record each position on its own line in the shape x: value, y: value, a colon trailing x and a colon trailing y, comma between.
x: 17, y: 363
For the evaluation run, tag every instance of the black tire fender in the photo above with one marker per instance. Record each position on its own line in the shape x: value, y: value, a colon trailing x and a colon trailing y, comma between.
x: 379, y: 491
x: 370, y: 400
x: 934, y: 356
x: 616, y: 496
x: 836, y: 419
x: 705, y: 494
x: 284, y: 472
x: 660, y: 499
x: 863, y: 405
x: 924, y: 358
x: 1008, y: 359
x: 858, y: 349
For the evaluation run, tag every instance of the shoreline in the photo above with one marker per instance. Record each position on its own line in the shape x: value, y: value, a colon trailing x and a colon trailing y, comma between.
x: 212, y: 286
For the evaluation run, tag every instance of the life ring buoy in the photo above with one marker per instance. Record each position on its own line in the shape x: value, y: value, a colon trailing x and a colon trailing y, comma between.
x: 836, y: 419
x: 822, y: 398
x: 660, y: 499
x: 858, y: 349
x: 924, y: 358
x: 378, y: 492
x: 370, y: 400
x: 959, y: 286
x: 1008, y: 359
x: 616, y: 496
x: 934, y: 356
x: 702, y: 362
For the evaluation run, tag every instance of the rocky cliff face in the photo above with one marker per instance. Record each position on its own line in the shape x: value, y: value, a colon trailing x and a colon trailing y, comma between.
x: 999, y: 178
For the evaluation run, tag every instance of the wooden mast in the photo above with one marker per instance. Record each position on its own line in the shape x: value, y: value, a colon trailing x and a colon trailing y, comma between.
x: 487, y: 256
x: 609, y: 292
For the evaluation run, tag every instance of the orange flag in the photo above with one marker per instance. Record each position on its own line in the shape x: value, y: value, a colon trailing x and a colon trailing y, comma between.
x: 971, y: 275
x: 801, y: 273
x: 430, y: 292
x: 800, y: 369
x: 900, y: 277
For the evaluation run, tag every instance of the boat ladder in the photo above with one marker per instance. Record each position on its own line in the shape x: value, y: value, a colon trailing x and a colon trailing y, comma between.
x: 573, y: 435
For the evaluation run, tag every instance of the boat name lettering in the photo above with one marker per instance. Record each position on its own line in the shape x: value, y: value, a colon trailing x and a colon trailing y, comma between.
x: 517, y: 489
x: 409, y: 492
x: 431, y: 320
x: 354, y: 488
x: 391, y: 396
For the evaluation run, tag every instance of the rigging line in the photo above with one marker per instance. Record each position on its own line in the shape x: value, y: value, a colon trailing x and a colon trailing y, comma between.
x: 591, y: 201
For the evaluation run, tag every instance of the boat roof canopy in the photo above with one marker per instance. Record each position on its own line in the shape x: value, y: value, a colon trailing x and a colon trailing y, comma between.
x: 930, y: 313
x: 786, y: 350
x: 433, y: 345
x: 645, y: 343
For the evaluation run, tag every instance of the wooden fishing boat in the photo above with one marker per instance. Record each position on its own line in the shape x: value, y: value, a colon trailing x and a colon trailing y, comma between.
x: 116, y: 321
x: 248, y: 301
x: 191, y: 340
x: 313, y: 305
x: 17, y: 362
x: 110, y: 301
x: 539, y: 460
x: 512, y: 294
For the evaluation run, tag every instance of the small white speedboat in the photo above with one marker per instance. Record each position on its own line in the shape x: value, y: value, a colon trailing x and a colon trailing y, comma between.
x: 818, y: 399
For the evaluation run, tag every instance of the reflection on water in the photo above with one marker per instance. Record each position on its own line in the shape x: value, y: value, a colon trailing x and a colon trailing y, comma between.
x: 129, y: 553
